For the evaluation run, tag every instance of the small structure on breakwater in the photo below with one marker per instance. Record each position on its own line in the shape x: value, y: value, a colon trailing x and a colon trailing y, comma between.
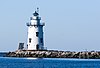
x: 21, y: 46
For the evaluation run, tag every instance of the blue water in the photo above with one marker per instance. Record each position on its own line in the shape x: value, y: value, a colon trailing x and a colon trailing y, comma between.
x: 6, y: 62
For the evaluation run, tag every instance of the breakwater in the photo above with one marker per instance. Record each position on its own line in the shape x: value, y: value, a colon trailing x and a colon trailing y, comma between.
x: 54, y: 54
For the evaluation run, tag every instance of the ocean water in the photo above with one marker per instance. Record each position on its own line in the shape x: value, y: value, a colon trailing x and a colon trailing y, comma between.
x: 9, y: 62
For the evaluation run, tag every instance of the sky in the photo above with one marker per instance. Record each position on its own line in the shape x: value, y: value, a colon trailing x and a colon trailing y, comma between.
x: 71, y: 25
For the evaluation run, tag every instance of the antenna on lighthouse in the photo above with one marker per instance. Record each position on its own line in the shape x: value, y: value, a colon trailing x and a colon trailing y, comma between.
x: 37, y: 10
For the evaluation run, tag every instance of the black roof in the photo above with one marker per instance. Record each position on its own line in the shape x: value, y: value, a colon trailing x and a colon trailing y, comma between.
x: 35, y: 14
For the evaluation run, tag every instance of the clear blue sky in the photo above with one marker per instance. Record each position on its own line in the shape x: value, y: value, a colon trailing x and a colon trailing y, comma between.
x: 70, y: 24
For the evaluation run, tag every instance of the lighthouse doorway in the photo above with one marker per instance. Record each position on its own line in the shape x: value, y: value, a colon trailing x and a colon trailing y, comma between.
x: 37, y: 47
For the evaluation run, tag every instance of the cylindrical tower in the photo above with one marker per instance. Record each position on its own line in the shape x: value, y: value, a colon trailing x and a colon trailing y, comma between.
x: 35, y: 33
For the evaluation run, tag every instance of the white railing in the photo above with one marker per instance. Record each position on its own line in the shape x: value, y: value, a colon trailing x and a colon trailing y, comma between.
x: 41, y: 24
x: 35, y: 18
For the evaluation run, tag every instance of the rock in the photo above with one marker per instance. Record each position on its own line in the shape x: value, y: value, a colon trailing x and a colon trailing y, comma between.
x: 54, y: 54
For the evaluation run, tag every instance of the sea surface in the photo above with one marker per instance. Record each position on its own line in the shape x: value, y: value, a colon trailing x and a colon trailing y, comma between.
x: 9, y: 62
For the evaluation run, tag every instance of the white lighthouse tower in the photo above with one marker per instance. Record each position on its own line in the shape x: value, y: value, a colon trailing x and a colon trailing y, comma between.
x: 35, y: 33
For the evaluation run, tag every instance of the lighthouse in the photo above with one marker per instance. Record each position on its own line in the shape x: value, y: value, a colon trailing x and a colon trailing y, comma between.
x: 35, y: 33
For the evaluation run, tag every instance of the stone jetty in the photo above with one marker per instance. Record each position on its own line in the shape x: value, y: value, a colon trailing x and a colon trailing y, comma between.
x: 54, y: 54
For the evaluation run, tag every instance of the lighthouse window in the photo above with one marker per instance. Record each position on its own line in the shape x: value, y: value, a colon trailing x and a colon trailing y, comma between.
x: 30, y: 40
x: 41, y: 40
x: 37, y: 34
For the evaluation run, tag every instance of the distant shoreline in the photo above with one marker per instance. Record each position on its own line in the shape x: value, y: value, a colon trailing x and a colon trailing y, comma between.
x: 2, y: 54
x: 54, y: 54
